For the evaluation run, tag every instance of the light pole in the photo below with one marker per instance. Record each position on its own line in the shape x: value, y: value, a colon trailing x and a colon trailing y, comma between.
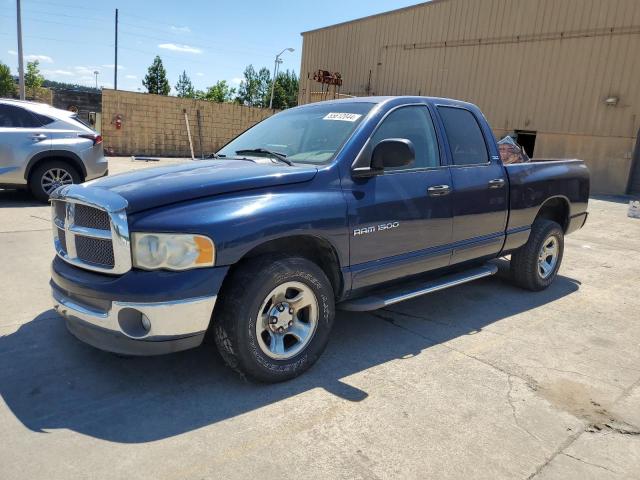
x: 20, y: 57
x: 275, y: 72
x: 96, y: 72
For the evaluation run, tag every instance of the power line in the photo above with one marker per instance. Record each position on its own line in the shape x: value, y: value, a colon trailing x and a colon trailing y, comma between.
x: 56, y: 4
x: 40, y: 20
x: 151, y: 37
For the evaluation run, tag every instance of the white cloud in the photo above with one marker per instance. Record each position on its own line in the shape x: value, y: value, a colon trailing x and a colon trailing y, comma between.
x: 41, y: 58
x: 65, y: 73
x: 179, y: 48
x: 86, y: 70
x: 111, y: 65
x: 184, y: 29
x: 31, y: 58
x: 236, y: 80
x: 131, y: 77
x: 200, y: 74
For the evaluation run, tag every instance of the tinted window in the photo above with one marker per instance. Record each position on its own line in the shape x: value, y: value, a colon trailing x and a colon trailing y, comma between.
x: 12, y: 116
x: 465, y: 137
x: 413, y: 123
x: 43, y: 119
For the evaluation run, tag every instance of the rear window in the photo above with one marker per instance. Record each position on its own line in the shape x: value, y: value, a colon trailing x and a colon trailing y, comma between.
x: 16, y: 117
x: 80, y: 121
x: 465, y: 137
x: 43, y: 119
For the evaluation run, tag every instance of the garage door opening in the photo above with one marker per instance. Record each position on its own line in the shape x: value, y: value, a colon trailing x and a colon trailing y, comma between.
x: 526, y: 140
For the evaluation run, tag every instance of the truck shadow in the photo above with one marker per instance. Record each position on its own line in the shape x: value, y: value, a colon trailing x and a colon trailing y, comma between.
x: 18, y: 198
x: 50, y: 380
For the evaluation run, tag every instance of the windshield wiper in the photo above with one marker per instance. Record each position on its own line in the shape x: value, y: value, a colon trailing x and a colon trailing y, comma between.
x: 277, y: 155
x: 222, y: 156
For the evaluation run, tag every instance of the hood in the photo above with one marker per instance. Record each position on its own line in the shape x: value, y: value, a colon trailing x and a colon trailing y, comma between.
x: 154, y: 187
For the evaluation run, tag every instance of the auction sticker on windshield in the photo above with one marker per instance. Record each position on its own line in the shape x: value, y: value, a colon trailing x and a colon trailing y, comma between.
x: 345, y: 117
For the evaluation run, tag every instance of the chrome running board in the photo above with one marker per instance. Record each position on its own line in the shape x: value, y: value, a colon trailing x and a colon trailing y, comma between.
x: 400, y: 293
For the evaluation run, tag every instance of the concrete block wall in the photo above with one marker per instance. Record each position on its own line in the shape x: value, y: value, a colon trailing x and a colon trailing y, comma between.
x: 155, y: 124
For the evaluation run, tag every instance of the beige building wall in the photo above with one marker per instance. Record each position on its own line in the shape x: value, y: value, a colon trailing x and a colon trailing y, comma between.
x: 155, y: 124
x: 538, y: 65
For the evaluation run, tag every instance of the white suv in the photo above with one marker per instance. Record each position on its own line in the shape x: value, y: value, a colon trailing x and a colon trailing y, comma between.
x: 42, y: 148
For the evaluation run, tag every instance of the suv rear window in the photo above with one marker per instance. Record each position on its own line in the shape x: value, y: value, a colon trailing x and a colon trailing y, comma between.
x: 43, y: 119
x: 80, y: 121
x: 465, y: 137
x: 16, y: 117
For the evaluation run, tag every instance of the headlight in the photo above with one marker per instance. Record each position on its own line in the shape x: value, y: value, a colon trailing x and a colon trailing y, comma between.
x: 152, y: 251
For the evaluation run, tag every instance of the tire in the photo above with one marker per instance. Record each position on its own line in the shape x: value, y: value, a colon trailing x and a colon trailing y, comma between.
x: 53, y: 169
x: 529, y: 269
x: 257, y: 306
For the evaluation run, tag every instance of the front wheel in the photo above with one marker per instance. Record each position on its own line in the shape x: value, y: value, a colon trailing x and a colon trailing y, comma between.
x: 50, y: 175
x: 274, y: 317
x: 534, y: 266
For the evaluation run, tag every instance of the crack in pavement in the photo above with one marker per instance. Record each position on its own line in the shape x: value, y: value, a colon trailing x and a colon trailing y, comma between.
x: 589, y: 463
x: 531, y: 383
x: 514, y: 412
x: 27, y: 231
x: 563, y: 446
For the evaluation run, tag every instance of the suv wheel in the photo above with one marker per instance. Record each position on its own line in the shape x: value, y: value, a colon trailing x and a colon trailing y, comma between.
x: 535, y: 265
x: 50, y: 175
x: 274, y: 319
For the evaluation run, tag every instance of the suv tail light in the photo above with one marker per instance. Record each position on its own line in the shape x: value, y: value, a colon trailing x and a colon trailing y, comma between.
x: 96, y: 138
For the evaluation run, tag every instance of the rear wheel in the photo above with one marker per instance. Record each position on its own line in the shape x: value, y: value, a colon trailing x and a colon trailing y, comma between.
x: 274, y: 317
x: 50, y: 175
x: 534, y: 266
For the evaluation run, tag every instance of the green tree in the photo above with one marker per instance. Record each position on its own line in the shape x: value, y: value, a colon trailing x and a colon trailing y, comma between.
x: 254, y: 89
x: 285, y: 93
x: 248, y: 87
x: 264, y: 87
x: 184, y: 87
x: 220, y: 92
x: 7, y: 84
x: 155, y: 81
x: 32, y: 78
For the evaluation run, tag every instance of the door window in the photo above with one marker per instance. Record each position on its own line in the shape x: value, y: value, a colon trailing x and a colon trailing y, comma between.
x: 12, y: 116
x: 412, y: 123
x: 465, y: 137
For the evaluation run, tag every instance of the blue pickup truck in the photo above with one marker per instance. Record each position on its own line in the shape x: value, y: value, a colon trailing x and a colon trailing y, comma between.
x: 352, y: 204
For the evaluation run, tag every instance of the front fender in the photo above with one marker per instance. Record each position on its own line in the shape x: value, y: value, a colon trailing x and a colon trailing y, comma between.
x: 240, y: 222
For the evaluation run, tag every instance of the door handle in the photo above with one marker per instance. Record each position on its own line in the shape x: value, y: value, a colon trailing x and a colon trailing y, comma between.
x: 439, y: 190
x: 496, y: 183
x: 39, y: 137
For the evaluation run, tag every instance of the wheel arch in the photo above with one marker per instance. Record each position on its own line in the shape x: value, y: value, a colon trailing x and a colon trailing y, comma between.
x: 314, y: 248
x: 63, y: 155
x: 556, y: 208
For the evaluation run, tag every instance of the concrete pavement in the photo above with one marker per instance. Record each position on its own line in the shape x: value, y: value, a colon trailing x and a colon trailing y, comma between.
x: 480, y: 381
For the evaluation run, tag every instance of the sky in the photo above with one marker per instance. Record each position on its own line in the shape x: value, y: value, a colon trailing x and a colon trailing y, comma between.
x: 209, y: 40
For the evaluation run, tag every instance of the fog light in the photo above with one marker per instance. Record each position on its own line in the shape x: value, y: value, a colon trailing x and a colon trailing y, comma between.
x: 146, y: 323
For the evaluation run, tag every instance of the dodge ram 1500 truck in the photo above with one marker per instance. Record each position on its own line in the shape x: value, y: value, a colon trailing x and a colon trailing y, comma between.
x: 352, y: 204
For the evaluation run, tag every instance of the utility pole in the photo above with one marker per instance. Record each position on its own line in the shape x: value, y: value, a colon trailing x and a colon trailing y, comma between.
x: 115, y: 66
x: 20, y: 56
x: 275, y: 73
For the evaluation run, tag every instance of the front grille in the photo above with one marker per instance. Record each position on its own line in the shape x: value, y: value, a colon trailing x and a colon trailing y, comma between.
x: 90, y: 217
x: 95, y: 250
x: 62, y: 238
x: 89, y: 236
x: 58, y: 208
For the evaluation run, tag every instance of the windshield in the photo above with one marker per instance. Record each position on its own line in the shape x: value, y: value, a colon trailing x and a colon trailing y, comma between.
x: 310, y: 134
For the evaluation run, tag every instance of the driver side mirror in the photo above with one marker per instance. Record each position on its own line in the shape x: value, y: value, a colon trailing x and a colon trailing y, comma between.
x: 388, y: 153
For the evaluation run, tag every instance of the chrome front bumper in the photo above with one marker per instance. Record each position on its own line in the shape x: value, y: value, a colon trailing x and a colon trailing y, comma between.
x: 138, y: 328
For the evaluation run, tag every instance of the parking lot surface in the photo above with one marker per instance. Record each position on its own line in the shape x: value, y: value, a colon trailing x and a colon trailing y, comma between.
x: 481, y: 381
